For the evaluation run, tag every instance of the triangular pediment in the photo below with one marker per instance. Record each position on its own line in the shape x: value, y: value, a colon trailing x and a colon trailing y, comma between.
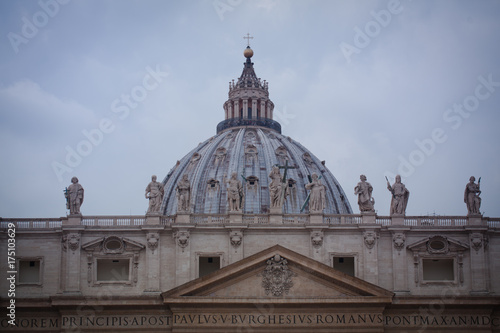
x: 437, y: 244
x: 112, y: 245
x: 277, y: 273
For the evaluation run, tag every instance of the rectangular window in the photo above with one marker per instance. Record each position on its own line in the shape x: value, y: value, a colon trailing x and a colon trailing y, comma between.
x: 29, y: 271
x: 113, y: 270
x: 438, y: 270
x: 344, y: 264
x: 208, y: 265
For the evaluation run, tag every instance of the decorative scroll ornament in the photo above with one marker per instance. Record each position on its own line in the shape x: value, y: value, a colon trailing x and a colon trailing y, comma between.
x: 277, y: 277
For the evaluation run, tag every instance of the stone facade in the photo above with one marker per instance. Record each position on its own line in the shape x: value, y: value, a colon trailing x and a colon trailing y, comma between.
x: 215, y: 254
x: 388, y: 254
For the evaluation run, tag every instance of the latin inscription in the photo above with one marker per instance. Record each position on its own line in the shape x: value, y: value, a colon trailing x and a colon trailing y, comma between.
x: 251, y: 320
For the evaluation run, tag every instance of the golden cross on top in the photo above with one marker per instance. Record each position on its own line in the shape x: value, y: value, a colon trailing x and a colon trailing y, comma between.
x: 248, y: 37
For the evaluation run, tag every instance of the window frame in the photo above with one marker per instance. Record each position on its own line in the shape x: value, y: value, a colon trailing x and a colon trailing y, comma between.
x: 40, y: 271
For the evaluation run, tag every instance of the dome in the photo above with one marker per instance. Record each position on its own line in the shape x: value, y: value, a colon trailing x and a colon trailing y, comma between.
x: 249, y: 143
x: 251, y: 152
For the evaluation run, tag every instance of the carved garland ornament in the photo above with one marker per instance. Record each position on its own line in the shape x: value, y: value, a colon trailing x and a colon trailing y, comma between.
x: 277, y: 277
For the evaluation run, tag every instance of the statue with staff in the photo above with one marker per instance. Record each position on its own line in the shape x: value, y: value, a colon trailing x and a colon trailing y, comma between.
x: 400, y: 195
x: 74, y: 197
x: 471, y: 196
x: 277, y: 187
x: 235, y: 194
x: 317, y: 195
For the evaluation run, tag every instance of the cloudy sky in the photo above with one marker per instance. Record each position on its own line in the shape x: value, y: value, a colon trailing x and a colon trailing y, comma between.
x: 115, y: 91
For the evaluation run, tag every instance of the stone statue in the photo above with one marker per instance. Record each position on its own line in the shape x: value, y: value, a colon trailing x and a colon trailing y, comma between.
x: 275, y: 187
x: 364, y: 192
x: 471, y: 196
x: 234, y: 193
x: 317, y: 198
x: 154, y: 192
x: 400, y: 195
x: 183, y: 192
x: 74, y: 197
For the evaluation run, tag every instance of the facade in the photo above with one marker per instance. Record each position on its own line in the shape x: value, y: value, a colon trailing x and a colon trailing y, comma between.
x: 250, y: 232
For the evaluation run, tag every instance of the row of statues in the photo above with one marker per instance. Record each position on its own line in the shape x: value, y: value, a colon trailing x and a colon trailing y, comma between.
x: 400, y: 195
x: 316, y: 198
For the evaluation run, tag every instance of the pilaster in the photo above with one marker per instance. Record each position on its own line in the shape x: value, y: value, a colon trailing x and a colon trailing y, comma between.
x: 399, y: 259
x: 478, y: 267
x: 71, y: 257
x: 370, y: 253
x: 235, y: 245
x: 182, y: 255
x: 316, y: 246
x: 153, y: 254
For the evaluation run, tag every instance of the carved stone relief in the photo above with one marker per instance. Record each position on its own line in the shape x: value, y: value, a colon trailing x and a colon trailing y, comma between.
x: 71, y: 241
x: 307, y: 158
x: 399, y: 240
x: 236, y: 237
x: 317, y: 239
x: 370, y: 239
x: 476, y: 241
x: 195, y: 158
x: 182, y: 238
x: 277, y: 277
x: 153, y: 238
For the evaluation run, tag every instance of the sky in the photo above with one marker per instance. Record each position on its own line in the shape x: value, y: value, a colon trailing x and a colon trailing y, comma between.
x: 113, y: 92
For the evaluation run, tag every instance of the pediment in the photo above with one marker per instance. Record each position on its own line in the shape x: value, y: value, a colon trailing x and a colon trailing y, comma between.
x: 438, y: 244
x: 277, y: 274
x: 112, y: 245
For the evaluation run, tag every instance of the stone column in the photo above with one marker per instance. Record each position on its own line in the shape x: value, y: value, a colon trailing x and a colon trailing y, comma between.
x: 478, y: 267
x: 245, y: 109
x: 153, y: 260
x: 237, y: 109
x: 71, y: 257
x: 182, y: 256
x: 263, y: 109
x: 370, y: 253
x: 254, y: 109
x: 230, y: 110
x: 399, y: 260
